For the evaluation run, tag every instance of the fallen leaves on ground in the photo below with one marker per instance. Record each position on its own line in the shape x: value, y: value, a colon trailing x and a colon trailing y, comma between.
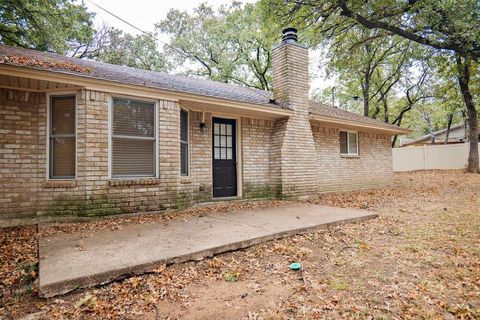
x: 18, y: 269
x: 419, y: 259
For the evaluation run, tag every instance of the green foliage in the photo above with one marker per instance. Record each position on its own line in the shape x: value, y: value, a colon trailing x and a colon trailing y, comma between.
x: 132, y: 51
x: 229, y: 45
x: 369, y: 65
x: 450, y: 25
x: 46, y: 25
x: 232, y: 276
x: 339, y: 284
x: 29, y: 273
x: 398, y: 55
x: 377, y: 75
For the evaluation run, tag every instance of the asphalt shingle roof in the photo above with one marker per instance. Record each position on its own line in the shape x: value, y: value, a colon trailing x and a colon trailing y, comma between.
x: 133, y: 76
x: 158, y: 80
x: 323, y: 110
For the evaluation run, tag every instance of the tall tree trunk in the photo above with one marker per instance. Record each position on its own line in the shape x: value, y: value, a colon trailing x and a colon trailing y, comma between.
x: 366, y: 94
x: 449, y: 125
x: 426, y: 116
x: 465, y: 126
x: 395, y: 137
x: 385, y: 109
x: 463, y: 75
x: 394, y: 140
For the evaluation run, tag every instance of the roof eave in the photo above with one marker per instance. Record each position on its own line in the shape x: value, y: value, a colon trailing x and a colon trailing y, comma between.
x: 360, y: 125
x: 118, y: 87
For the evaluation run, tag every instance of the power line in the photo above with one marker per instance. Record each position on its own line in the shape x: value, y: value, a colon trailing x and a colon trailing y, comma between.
x: 119, y: 18
x: 137, y: 28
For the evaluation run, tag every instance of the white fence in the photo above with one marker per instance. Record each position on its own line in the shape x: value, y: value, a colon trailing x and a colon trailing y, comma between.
x: 450, y: 156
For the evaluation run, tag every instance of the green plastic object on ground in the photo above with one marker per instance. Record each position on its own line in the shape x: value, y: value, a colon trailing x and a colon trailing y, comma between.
x: 296, y: 266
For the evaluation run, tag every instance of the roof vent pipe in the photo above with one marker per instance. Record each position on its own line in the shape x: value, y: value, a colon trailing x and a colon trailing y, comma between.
x: 289, y: 35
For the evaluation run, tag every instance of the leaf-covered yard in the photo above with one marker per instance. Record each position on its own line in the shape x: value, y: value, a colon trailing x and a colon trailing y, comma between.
x: 419, y: 259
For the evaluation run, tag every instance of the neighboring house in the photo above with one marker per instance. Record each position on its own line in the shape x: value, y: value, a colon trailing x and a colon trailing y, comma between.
x: 82, y: 137
x: 457, y: 135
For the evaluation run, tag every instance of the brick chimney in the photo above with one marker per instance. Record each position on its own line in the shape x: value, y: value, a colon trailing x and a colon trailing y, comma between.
x: 293, y: 154
x: 290, y: 72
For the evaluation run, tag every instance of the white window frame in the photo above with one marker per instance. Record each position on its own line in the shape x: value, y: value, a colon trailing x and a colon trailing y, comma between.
x: 348, y: 143
x: 188, y: 143
x: 110, y: 137
x: 48, y: 136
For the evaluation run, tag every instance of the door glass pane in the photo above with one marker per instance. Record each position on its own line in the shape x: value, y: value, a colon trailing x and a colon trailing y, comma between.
x: 63, y: 115
x: 352, y: 142
x: 343, y: 142
x: 223, y: 141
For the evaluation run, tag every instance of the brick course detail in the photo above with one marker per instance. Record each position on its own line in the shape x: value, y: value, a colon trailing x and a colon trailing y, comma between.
x: 371, y: 168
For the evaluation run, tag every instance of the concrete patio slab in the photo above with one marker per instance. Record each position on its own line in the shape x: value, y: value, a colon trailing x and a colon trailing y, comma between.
x: 85, y: 259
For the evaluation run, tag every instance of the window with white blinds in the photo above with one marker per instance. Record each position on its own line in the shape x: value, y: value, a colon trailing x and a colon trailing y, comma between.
x: 133, y: 138
x: 62, y: 137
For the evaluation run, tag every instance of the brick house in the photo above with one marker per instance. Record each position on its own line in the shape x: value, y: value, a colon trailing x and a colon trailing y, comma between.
x: 87, y: 138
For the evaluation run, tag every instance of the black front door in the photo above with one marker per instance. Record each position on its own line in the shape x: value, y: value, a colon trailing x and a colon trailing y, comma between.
x: 224, y: 158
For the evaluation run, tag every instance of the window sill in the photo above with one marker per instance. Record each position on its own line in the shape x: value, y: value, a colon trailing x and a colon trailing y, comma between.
x: 134, y: 182
x: 186, y: 180
x: 60, y: 184
x: 353, y: 156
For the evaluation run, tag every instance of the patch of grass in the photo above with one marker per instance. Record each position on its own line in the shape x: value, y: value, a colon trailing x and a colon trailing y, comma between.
x: 28, y: 276
x: 339, y: 284
x: 395, y: 231
x: 231, y: 276
x: 361, y: 245
x: 411, y: 248
x: 29, y: 272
